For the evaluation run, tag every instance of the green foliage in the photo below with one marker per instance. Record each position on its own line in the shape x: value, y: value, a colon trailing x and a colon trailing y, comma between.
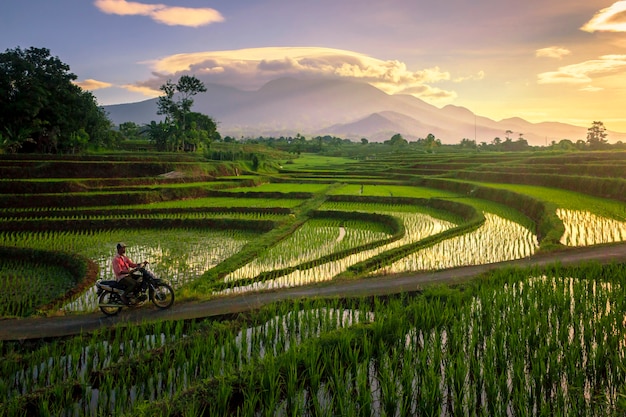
x: 431, y: 349
x: 42, y: 110
x: 396, y: 140
x: 181, y: 131
x: 596, y: 135
x: 35, y: 278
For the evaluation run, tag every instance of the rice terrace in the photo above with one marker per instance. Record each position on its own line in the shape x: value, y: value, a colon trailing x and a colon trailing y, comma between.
x: 289, y: 246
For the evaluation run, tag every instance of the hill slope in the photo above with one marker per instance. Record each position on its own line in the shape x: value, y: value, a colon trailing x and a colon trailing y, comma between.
x: 287, y: 106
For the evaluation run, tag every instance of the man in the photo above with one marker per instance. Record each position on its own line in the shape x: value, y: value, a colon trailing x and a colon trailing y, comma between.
x: 122, y: 266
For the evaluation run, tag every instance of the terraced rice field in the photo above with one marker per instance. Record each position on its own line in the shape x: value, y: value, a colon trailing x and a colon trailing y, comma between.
x: 515, y: 342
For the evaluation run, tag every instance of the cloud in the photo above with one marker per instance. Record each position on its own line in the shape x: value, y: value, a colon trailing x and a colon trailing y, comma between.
x: 91, y: 85
x: 581, y: 73
x: 591, y: 89
x: 251, y: 68
x: 611, y: 19
x: 552, y: 52
x: 478, y: 76
x: 168, y: 15
x: 146, y: 91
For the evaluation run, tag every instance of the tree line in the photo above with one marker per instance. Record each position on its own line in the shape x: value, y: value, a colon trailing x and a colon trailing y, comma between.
x: 42, y: 110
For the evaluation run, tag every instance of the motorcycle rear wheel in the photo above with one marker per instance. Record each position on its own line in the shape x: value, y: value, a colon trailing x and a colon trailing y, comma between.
x: 163, y: 296
x: 108, y: 298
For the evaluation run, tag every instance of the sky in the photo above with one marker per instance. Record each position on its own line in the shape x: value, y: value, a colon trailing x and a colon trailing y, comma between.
x: 541, y: 60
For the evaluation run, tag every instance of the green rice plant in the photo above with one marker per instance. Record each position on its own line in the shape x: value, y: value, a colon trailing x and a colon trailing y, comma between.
x: 497, y: 240
x: 417, y: 226
x: 177, y: 255
x: 528, y: 342
x: 391, y: 190
x: 570, y: 200
x: 30, y: 285
x: 223, y: 201
x: 583, y: 228
x: 315, y: 239
x: 282, y: 188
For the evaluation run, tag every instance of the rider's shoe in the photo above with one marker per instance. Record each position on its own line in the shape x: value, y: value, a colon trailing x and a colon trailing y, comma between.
x: 125, y: 299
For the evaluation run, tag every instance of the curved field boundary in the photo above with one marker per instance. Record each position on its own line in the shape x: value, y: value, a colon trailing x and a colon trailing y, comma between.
x: 37, y: 328
x: 83, y: 270
x: 612, y: 188
x: 64, y: 225
x: 135, y: 212
x: 549, y: 228
x: 397, y: 231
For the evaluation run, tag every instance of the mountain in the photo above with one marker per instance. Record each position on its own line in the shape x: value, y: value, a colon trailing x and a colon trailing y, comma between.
x: 347, y: 109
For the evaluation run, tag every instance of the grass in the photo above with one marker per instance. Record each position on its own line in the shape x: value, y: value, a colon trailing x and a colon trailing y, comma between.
x: 312, y: 162
x: 388, y: 190
x: 523, y: 342
x: 283, y: 188
x: 431, y: 351
x: 569, y: 199
x: 223, y: 202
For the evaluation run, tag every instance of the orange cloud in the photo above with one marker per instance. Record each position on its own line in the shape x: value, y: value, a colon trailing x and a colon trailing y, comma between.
x: 611, y: 19
x: 91, y: 85
x: 582, y: 72
x: 169, y: 15
x: 255, y: 66
x: 146, y: 91
x: 552, y: 52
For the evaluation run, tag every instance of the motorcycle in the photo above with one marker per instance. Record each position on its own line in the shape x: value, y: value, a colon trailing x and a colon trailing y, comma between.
x: 149, y: 287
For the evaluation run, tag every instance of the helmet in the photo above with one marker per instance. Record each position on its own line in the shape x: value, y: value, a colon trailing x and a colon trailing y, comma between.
x: 121, y: 245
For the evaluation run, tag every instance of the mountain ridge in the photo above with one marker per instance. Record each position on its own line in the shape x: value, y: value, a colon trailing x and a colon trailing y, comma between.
x: 347, y: 109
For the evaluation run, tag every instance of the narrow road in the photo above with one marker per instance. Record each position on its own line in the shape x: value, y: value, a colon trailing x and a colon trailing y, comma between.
x: 48, y: 327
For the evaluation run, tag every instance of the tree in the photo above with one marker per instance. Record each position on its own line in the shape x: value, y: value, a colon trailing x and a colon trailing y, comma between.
x: 176, y: 109
x: 468, y: 143
x: 206, y: 128
x: 431, y: 142
x: 159, y: 134
x: 130, y: 130
x: 596, y: 135
x: 42, y: 110
x: 396, y: 140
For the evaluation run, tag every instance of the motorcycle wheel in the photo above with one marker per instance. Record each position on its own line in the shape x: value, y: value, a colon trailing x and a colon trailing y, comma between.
x: 108, y: 298
x: 163, y: 296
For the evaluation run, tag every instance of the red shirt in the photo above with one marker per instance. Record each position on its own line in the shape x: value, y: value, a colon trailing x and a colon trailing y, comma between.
x: 121, y: 264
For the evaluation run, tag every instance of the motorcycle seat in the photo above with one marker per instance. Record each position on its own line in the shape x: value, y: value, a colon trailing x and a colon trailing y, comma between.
x: 108, y: 285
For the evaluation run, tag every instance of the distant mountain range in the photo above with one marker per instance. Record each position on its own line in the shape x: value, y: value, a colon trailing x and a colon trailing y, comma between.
x: 347, y: 109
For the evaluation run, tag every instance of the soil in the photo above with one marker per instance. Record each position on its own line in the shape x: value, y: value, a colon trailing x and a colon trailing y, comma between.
x: 67, y: 325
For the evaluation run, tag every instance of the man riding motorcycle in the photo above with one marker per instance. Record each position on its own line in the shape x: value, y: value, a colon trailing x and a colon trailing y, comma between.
x: 123, y: 268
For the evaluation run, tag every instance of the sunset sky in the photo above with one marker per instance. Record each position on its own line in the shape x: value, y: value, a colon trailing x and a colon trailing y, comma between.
x: 540, y: 60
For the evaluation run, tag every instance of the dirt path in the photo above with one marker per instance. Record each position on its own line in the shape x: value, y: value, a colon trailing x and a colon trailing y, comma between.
x: 34, y: 328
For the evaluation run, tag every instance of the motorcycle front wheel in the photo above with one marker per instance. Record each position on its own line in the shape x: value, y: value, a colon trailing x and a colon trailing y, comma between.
x: 163, y: 296
x: 106, y: 303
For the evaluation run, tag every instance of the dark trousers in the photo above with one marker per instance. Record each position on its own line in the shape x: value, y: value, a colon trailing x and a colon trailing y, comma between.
x: 128, y: 283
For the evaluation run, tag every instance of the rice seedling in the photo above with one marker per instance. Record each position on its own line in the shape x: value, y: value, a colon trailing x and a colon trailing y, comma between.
x: 231, y: 201
x: 583, y: 228
x: 315, y: 239
x: 177, y: 255
x: 514, y: 343
x: 283, y: 188
x: 29, y: 285
x: 392, y: 190
x: 122, y: 372
x: 417, y: 227
x: 497, y: 240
